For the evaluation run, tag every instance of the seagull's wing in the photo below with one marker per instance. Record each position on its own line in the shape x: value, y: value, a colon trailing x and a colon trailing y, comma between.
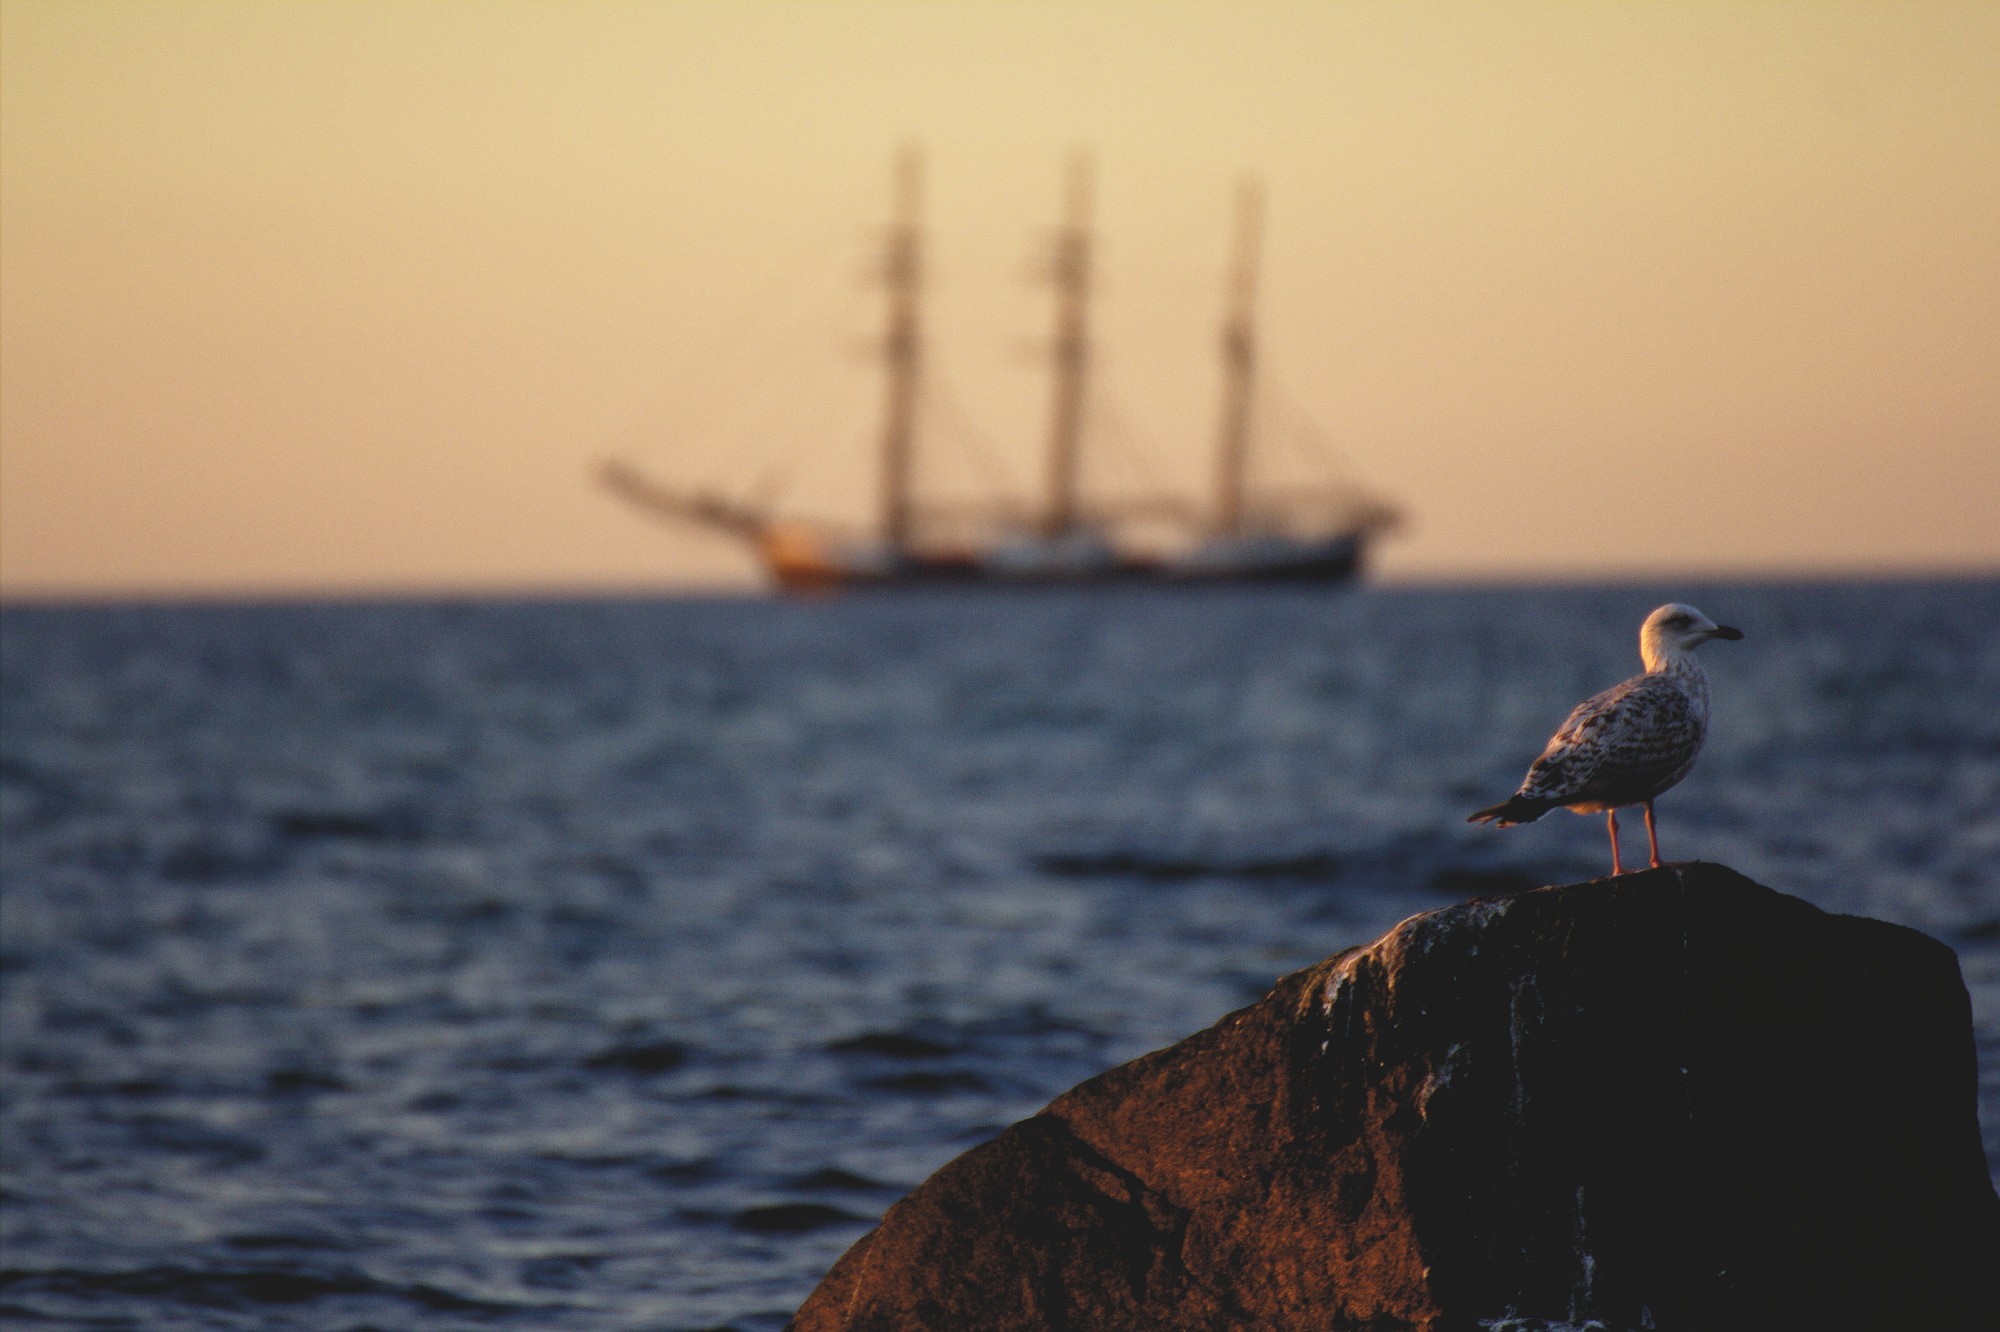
x: 1627, y: 743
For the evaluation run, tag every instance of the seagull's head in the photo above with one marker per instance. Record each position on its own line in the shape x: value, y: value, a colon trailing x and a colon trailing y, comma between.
x: 1674, y: 630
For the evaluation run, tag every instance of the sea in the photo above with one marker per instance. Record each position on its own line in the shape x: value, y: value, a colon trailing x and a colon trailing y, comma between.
x: 614, y: 964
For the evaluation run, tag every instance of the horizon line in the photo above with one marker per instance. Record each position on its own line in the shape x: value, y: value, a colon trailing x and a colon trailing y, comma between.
x: 419, y: 593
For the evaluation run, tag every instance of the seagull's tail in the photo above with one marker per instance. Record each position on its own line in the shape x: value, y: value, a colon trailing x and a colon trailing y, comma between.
x: 1514, y: 809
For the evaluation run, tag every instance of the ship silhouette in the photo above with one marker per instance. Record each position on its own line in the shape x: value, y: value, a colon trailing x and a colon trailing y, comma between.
x: 1243, y: 534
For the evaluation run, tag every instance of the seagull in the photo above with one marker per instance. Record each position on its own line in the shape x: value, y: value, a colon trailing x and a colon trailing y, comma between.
x: 1628, y: 744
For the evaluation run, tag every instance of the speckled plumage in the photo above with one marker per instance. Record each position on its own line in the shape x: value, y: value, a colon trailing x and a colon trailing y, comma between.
x: 1631, y: 742
x: 1624, y: 745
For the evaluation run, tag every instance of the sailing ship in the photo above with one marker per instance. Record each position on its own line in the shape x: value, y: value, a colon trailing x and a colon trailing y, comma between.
x: 1316, y: 534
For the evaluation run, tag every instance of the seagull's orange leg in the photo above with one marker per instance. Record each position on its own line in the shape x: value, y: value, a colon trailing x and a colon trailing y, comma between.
x: 1652, y: 838
x: 1611, y: 820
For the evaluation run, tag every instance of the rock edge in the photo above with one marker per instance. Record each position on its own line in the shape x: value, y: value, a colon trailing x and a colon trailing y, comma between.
x: 1672, y: 1100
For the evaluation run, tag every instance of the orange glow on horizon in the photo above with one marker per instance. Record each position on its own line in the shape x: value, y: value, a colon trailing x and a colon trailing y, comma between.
x: 332, y: 297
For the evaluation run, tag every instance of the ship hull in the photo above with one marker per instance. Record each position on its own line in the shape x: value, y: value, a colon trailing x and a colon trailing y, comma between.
x: 1332, y: 561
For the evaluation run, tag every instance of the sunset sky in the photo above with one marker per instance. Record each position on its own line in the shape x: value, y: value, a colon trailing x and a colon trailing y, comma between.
x: 340, y: 297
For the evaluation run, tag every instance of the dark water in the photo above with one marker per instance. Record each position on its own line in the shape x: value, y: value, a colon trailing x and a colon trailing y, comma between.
x: 613, y: 965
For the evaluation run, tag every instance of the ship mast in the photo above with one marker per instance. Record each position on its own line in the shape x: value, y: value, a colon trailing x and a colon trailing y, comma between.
x: 1239, y: 365
x: 902, y: 345
x: 1069, y: 272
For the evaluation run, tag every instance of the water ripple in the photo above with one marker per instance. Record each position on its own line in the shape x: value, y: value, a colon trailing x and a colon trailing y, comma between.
x: 613, y: 965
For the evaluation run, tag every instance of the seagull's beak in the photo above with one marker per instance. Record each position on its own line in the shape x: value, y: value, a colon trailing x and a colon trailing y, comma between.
x: 1725, y: 632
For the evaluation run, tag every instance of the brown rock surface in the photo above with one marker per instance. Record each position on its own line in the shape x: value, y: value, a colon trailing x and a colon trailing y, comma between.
x: 1675, y: 1100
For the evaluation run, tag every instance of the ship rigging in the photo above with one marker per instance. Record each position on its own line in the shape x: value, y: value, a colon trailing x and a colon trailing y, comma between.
x: 1318, y: 534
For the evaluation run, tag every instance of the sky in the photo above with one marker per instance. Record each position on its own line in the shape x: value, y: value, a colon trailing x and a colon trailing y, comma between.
x: 342, y: 298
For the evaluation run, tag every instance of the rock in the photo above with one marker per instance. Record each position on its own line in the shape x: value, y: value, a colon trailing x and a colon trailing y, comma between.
x: 1674, y: 1100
